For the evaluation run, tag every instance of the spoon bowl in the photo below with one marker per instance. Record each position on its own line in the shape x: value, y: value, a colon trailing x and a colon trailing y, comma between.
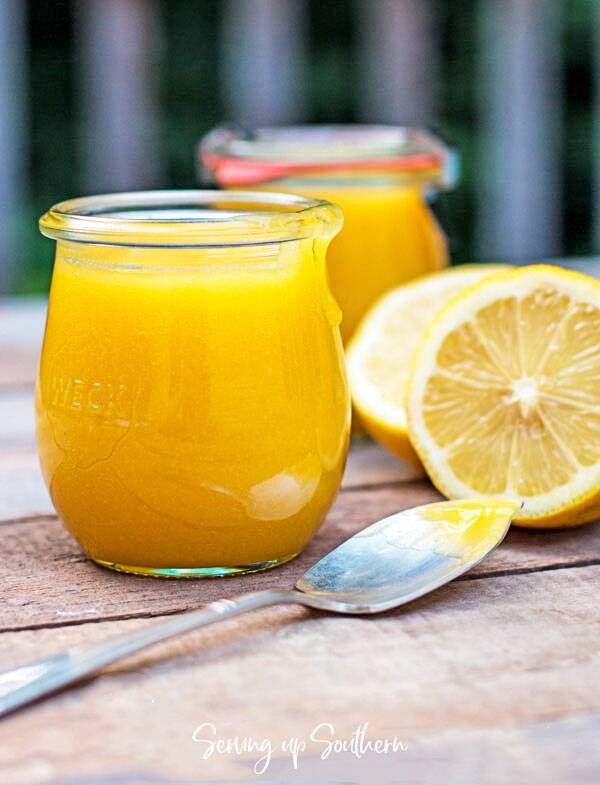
x: 407, y: 555
x: 386, y: 565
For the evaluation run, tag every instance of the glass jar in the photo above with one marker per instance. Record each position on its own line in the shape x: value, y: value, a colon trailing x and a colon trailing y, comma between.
x: 192, y: 406
x: 380, y: 175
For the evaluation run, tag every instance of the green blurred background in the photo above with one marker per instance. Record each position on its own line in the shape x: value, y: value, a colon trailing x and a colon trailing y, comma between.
x: 190, y: 49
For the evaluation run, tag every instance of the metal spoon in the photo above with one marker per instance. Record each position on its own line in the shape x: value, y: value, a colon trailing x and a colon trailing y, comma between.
x: 385, y: 565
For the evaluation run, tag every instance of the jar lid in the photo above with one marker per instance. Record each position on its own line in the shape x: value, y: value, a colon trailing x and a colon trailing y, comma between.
x: 235, y: 156
x: 180, y: 219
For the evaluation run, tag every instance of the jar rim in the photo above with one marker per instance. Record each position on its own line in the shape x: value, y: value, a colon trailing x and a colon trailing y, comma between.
x: 238, y: 156
x: 190, y: 218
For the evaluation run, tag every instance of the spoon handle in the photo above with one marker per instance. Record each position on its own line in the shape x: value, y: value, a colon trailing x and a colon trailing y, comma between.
x: 34, y: 680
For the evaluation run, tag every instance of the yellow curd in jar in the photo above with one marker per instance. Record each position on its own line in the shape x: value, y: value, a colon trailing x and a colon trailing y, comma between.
x: 390, y: 236
x: 192, y: 407
x: 379, y: 175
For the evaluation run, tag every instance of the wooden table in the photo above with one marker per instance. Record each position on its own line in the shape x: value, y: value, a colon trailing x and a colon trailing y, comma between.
x: 492, y: 679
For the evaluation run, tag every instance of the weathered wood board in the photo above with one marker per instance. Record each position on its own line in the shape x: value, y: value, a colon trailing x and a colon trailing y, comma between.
x: 492, y: 679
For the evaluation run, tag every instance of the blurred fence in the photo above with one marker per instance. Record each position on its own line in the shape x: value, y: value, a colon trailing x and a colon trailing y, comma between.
x: 264, y: 68
x: 13, y: 133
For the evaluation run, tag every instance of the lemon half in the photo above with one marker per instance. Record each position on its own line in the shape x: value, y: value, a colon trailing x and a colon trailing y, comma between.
x: 504, y: 394
x: 378, y: 356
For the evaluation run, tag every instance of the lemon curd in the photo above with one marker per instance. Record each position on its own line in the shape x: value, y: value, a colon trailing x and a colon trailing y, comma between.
x: 380, y: 176
x: 192, y: 406
x: 390, y: 236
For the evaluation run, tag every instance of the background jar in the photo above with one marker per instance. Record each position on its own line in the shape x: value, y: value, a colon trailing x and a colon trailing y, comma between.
x: 382, y: 178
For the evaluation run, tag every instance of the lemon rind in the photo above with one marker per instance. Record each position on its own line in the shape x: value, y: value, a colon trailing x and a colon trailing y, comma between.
x: 573, y: 497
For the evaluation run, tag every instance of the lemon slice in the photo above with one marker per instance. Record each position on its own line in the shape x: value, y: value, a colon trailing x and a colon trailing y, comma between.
x: 504, y: 394
x: 378, y: 357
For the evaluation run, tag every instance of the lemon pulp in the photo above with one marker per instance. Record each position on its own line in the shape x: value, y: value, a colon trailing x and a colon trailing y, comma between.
x: 379, y: 355
x: 504, y: 395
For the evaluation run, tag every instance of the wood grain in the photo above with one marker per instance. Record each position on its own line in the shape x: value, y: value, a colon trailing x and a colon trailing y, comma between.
x: 47, y: 580
x: 560, y: 751
x: 477, y: 657
x: 21, y: 331
x: 22, y: 491
x: 369, y: 465
x: 17, y: 418
x: 491, y: 679
x: 18, y: 367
